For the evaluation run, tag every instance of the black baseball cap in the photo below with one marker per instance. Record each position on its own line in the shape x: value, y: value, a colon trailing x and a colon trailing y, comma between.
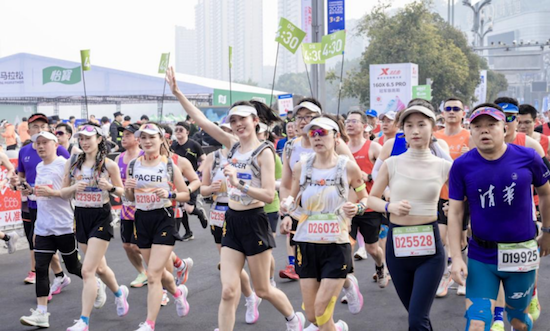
x: 118, y: 114
x: 131, y: 127
x: 185, y: 125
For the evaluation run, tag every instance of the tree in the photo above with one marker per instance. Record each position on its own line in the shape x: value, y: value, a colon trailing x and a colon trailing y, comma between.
x: 419, y: 36
x: 295, y: 83
x: 247, y: 82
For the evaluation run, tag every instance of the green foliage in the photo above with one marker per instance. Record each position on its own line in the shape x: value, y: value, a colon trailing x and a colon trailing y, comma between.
x: 419, y: 36
x: 295, y: 83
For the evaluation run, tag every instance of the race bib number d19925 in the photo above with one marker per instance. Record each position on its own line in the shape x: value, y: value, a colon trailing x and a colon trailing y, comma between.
x: 414, y: 241
x: 520, y: 257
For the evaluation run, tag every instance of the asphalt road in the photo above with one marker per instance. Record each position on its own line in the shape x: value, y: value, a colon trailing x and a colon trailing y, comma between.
x: 382, y: 309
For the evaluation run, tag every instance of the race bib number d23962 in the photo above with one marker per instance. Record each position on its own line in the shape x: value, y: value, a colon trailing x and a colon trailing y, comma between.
x: 520, y: 257
x: 414, y: 241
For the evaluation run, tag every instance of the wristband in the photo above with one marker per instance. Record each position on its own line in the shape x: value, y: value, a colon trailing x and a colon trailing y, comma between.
x: 387, y: 205
x: 360, y: 188
x: 286, y: 215
x: 245, y: 189
x: 113, y: 189
x: 360, y: 209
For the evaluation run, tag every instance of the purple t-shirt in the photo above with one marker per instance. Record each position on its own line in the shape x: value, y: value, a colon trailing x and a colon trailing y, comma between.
x: 28, y: 160
x: 499, y: 194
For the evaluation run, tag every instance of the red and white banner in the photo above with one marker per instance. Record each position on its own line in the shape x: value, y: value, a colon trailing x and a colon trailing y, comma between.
x: 10, y: 201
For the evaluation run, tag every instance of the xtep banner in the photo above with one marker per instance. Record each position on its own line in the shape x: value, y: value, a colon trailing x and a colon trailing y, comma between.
x: 164, y: 60
x: 289, y: 35
x: 333, y: 44
x: 85, y: 60
x: 66, y: 76
x: 312, y: 53
x: 221, y: 97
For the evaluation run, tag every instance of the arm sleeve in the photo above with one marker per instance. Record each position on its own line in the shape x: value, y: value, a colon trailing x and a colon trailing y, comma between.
x: 539, y: 170
x: 457, y: 189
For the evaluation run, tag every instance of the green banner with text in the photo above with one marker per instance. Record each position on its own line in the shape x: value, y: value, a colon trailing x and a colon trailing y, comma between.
x: 289, y: 35
x: 67, y: 76
x: 85, y: 60
x: 164, y: 60
x: 221, y: 97
x: 312, y: 53
x: 422, y: 92
x: 333, y: 44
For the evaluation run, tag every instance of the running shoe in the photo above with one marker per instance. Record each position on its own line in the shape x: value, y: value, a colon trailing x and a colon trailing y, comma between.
x: 59, y: 283
x: 534, y: 309
x: 144, y: 327
x: 497, y: 326
x: 101, y: 295
x: 382, y: 277
x: 201, y: 214
x: 375, y: 277
x: 461, y: 290
x: 31, y: 278
x: 165, y: 298
x: 297, y: 323
x: 341, y: 326
x: 188, y: 236
x: 252, y: 313
x: 80, y: 325
x: 354, y: 296
x: 140, y: 281
x: 182, y: 306
x: 122, y: 302
x: 344, y: 300
x: 361, y: 254
x: 446, y: 282
x: 36, y: 318
x: 312, y: 327
x: 289, y: 273
x: 12, y: 247
x: 182, y: 273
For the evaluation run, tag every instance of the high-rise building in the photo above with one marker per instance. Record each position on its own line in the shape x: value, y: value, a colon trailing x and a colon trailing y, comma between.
x: 220, y: 24
x: 186, y: 51
x: 288, y: 62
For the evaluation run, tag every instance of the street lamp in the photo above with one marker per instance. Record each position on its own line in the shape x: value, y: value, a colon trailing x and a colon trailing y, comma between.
x: 479, y: 19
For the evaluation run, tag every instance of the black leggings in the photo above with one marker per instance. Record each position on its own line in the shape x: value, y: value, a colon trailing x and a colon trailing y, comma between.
x: 416, y: 280
x: 45, y: 248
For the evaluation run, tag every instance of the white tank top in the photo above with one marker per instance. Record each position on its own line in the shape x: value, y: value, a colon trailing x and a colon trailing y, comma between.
x: 241, y: 162
x: 92, y: 196
x: 147, y: 180
x: 221, y: 196
x: 298, y: 152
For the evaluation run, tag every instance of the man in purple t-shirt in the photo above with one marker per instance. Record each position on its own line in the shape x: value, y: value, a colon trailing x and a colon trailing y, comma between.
x: 26, y: 167
x: 496, y: 179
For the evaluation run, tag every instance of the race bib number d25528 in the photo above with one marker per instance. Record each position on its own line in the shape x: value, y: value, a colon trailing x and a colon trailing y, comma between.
x: 414, y: 241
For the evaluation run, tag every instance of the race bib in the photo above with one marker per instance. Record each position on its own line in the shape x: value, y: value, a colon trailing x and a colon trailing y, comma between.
x: 414, y: 241
x: 148, y: 201
x: 42, y: 183
x: 217, y: 215
x: 89, y: 198
x: 323, y: 227
x: 520, y: 257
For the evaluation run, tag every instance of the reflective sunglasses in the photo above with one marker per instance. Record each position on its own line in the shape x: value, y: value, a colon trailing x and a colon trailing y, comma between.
x: 59, y: 133
x: 318, y: 132
x: 149, y: 127
x: 453, y: 108
x: 510, y: 118
x: 88, y: 128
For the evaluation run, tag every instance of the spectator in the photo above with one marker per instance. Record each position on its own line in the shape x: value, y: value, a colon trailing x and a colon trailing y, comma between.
x: 9, y: 135
x: 93, y: 119
x: 193, y: 128
x: 72, y: 121
x: 144, y: 119
x: 64, y: 133
x: 105, y: 126
x: 127, y: 121
x: 23, y: 130
x: 116, y: 135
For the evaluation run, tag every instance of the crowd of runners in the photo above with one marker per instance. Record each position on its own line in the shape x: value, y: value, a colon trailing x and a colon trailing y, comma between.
x: 431, y: 204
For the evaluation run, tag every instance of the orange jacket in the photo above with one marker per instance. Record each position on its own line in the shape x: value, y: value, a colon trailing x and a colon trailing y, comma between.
x: 22, y: 129
x: 9, y: 134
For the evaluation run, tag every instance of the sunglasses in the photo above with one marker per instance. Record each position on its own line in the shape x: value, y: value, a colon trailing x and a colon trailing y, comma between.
x: 179, y: 130
x: 149, y: 127
x: 88, y: 128
x: 318, y: 133
x: 453, y: 109
x: 510, y: 118
x: 59, y: 133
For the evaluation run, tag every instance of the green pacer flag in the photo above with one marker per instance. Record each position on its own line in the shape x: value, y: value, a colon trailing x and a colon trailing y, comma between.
x: 333, y: 44
x: 312, y: 53
x: 67, y: 76
x: 164, y: 60
x: 289, y: 35
x: 85, y: 60
x: 230, y: 57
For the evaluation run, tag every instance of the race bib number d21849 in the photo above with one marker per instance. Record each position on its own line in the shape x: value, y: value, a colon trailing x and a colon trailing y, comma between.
x: 414, y: 241
x: 520, y: 257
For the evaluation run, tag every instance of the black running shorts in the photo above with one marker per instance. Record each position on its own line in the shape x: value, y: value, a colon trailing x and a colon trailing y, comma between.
x: 93, y: 223
x: 368, y: 225
x: 247, y: 231
x: 321, y: 261
x: 155, y: 227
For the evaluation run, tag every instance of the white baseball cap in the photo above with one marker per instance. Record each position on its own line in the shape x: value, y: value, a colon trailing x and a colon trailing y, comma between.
x: 322, y: 122
x: 242, y: 111
x: 45, y: 134
x: 390, y: 115
x: 308, y: 105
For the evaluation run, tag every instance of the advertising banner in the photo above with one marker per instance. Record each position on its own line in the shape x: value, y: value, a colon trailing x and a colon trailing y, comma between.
x: 307, y: 19
x: 10, y: 202
x: 481, y: 90
x: 284, y: 103
x: 336, y: 18
x: 221, y: 97
x: 391, y: 86
x: 67, y: 76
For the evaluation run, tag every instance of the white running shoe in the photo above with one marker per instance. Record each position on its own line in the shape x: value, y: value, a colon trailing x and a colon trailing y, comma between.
x: 252, y: 313
x: 11, y: 244
x: 122, y: 302
x: 79, y: 326
x: 101, y: 295
x: 59, y: 283
x: 341, y: 326
x: 144, y: 327
x: 461, y: 290
x: 182, y: 306
x: 312, y: 327
x: 361, y: 254
x: 182, y: 273
x: 36, y: 318
x: 297, y: 323
x: 382, y: 277
x: 354, y: 296
x: 446, y: 282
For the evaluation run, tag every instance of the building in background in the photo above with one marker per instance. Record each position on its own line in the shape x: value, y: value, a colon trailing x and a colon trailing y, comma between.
x: 186, y: 53
x: 218, y: 25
